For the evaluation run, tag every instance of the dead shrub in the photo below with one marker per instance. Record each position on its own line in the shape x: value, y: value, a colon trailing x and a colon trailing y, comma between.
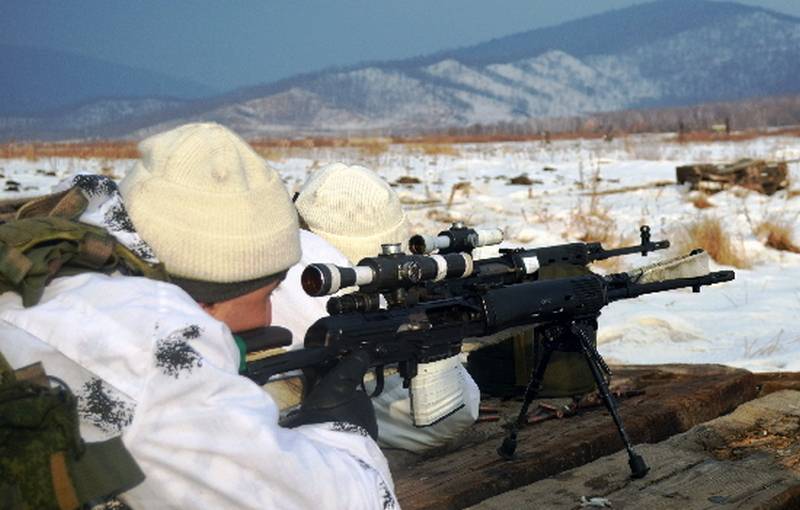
x: 595, y: 229
x: 592, y: 219
x: 700, y: 201
x: 407, y: 180
x: 465, y: 187
x: 777, y: 234
x: 109, y: 149
x: 444, y: 216
x: 707, y: 233
x: 271, y: 153
x: 433, y: 149
x: 370, y: 146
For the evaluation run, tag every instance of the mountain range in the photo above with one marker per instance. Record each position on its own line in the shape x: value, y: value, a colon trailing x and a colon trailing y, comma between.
x: 660, y: 54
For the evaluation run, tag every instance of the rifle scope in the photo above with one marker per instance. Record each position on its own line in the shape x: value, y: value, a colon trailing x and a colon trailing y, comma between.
x: 385, y: 273
x: 457, y: 238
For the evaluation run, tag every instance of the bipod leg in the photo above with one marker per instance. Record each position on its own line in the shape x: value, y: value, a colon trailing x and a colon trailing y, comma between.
x: 637, y: 464
x: 509, y: 445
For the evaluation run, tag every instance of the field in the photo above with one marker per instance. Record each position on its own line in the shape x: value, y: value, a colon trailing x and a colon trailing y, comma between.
x: 569, y: 189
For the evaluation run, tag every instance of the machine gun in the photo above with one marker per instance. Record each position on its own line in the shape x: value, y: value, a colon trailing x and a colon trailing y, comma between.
x: 433, y: 330
x: 404, y: 279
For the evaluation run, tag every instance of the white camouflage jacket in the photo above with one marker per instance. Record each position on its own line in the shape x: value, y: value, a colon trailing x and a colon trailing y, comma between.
x: 145, y: 361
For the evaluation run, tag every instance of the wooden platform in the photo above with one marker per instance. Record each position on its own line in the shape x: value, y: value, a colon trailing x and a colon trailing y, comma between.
x: 676, y: 398
x: 749, y: 459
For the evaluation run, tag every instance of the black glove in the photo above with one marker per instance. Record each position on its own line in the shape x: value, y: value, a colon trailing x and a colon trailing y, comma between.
x: 336, y: 398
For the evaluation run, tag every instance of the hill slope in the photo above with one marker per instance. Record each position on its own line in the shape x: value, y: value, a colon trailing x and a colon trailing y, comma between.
x: 664, y: 53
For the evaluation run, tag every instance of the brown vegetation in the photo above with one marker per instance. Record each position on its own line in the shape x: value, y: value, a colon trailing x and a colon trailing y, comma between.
x: 707, y: 233
x: 444, y: 216
x: 777, y: 234
x: 465, y: 187
x: 700, y: 201
x: 435, y: 143
x: 110, y: 149
x: 432, y: 149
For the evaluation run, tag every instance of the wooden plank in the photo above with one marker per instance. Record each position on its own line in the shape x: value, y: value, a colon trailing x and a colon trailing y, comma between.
x: 676, y: 398
x: 769, y: 382
x: 748, y: 459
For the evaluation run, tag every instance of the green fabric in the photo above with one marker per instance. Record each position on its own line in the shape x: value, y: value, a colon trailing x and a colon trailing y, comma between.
x: 104, y: 469
x: 242, y: 346
x: 37, y: 422
x: 567, y: 373
x: 33, y: 251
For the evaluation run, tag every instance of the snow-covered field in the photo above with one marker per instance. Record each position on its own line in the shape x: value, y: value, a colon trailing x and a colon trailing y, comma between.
x: 752, y: 322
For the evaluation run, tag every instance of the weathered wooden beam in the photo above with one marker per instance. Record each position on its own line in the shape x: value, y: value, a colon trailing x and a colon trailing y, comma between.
x: 676, y: 398
x: 747, y: 459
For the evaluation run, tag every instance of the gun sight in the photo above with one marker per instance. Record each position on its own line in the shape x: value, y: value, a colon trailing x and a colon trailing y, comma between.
x: 385, y: 273
x: 457, y: 238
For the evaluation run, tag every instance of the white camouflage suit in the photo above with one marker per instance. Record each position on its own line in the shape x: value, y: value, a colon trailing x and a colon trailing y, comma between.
x: 145, y: 361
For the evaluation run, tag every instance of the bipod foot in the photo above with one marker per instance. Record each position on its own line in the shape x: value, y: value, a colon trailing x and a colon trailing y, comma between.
x: 639, y: 467
x: 597, y: 366
x: 508, y: 447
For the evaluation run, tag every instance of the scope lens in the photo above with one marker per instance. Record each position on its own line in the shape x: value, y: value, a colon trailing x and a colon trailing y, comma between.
x: 313, y: 281
x: 417, y: 244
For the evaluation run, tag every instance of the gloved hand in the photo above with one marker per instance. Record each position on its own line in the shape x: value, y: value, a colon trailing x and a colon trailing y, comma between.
x: 336, y: 398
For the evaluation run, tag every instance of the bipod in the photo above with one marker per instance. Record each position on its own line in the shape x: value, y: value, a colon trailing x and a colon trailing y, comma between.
x: 553, y: 338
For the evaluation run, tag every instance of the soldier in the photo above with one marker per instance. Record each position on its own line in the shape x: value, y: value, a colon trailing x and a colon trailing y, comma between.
x: 356, y: 211
x: 156, y: 362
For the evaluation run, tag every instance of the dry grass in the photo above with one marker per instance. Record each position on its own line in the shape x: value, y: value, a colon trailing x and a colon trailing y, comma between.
x: 444, y: 216
x: 433, y: 149
x: 737, y: 136
x: 465, y: 187
x: 272, y: 153
x: 792, y: 193
x: 370, y: 146
x: 777, y: 234
x: 592, y: 219
x: 707, y: 233
x: 432, y: 143
x: 700, y: 201
x: 111, y: 149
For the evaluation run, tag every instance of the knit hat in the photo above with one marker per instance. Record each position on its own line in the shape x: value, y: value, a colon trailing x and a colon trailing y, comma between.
x: 353, y: 209
x: 210, y: 207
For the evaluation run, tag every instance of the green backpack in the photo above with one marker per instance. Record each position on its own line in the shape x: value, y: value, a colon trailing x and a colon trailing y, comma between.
x: 44, y: 463
x: 46, y: 241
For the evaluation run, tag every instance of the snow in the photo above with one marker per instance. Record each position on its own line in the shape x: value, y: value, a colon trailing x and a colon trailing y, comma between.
x: 752, y: 322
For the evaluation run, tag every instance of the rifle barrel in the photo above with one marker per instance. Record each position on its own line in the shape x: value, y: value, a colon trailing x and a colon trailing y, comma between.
x: 623, y: 290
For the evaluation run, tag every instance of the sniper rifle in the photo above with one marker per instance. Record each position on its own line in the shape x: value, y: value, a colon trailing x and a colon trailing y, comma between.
x: 433, y: 330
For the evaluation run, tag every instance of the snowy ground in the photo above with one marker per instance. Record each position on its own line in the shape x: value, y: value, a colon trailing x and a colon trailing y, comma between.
x: 753, y: 322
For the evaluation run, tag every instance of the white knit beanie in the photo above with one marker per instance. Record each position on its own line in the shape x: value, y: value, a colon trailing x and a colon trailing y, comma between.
x: 210, y: 207
x: 353, y: 209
